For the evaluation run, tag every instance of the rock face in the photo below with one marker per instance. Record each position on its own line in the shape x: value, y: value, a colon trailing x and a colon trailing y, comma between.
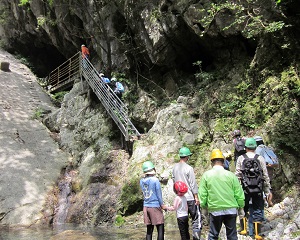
x: 149, y: 40
x: 30, y: 159
x: 194, y: 70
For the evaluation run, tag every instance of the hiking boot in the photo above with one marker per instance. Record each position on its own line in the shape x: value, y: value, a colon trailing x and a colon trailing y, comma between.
x: 257, y: 229
x: 243, y: 225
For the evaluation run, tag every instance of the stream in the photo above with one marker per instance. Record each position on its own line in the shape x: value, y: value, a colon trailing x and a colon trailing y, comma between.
x: 71, y: 232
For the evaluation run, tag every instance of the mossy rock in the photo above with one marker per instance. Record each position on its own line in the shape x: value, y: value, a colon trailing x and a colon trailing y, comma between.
x: 131, y: 197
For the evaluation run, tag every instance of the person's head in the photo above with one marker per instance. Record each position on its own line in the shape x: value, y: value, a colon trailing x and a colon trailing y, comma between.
x: 113, y: 80
x: 250, y: 144
x: 180, y: 188
x: 148, y: 168
x: 236, y: 133
x: 217, y: 157
x: 259, y: 140
x: 101, y: 75
x: 184, y: 153
x: 82, y: 45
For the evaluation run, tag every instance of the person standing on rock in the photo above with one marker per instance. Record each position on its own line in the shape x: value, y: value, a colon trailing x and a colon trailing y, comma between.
x: 253, y: 189
x: 221, y: 193
x: 153, y: 202
x: 185, y: 173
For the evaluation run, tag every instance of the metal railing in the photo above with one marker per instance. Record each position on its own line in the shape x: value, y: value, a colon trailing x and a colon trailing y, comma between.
x: 112, y: 103
x: 64, y: 75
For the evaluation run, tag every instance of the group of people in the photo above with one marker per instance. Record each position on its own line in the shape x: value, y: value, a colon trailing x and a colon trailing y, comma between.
x: 115, y: 85
x: 185, y: 204
x: 222, y: 195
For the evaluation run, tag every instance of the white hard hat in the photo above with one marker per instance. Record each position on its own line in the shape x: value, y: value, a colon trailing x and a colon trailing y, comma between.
x: 258, y: 138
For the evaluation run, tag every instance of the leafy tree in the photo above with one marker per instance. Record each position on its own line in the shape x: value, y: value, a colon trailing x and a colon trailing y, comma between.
x: 250, y: 16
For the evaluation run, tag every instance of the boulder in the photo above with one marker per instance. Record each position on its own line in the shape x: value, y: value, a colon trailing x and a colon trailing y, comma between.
x: 5, y: 66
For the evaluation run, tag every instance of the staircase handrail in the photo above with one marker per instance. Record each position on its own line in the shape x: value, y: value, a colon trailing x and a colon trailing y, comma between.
x: 112, y: 103
x: 64, y: 73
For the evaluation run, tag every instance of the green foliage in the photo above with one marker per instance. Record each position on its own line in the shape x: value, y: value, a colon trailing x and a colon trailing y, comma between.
x: 296, y: 234
x: 59, y: 96
x: 248, y: 17
x: 121, y: 77
x: 274, y: 26
x: 25, y: 61
x: 131, y: 197
x: 287, y: 123
x: 130, y: 95
x: 199, y: 154
x: 155, y: 14
x: 50, y: 3
x: 4, y: 14
x: 203, y: 78
x: 24, y: 2
x: 274, y: 102
x: 119, y: 221
x: 38, y: 113
x: 41, y: 20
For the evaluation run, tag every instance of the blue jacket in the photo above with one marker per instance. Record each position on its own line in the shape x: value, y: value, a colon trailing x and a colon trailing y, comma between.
x: 105, y: 80
x: 151, y: 188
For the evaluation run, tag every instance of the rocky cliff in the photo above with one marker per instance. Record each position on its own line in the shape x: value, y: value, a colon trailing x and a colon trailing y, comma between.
x: 194, y: 70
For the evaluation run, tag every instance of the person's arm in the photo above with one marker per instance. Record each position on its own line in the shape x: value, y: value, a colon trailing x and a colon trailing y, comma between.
x: 193, y: 185
x: 238, y: 167
x: 159, y: 194
x: 267, y: 185
x: 238, y: 192
x: 203, y: 192
x: 176, y: 204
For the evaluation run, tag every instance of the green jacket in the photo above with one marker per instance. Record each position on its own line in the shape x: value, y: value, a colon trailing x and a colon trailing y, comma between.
x: 220, y: 190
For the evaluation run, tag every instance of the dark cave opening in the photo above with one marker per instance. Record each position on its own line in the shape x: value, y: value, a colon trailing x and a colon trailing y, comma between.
x: 41, y: 60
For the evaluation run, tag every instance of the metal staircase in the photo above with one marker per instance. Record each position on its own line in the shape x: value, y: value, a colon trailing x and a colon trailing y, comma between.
x: 64, y: 75
x: 113, y: 105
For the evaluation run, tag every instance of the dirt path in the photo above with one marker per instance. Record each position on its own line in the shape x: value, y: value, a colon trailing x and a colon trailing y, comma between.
x: 30, y: 161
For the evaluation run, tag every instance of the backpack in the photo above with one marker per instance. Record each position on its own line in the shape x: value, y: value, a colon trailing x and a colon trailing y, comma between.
x: 239, y: 146
x: 226, y: 164
x: 268, y: 154
x: 120, y: 87
x: 252, y: 175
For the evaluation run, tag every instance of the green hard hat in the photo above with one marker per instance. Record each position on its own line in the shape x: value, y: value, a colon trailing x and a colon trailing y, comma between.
x: 184, y: 152
x: 250, y: 143
x: 148, y: 165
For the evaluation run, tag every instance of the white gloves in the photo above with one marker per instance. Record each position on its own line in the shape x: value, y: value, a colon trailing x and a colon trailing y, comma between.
x: 241, y: 213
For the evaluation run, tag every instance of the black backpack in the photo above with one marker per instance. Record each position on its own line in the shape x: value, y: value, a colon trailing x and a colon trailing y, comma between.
x: 239, y: 147
x: 252, y: 175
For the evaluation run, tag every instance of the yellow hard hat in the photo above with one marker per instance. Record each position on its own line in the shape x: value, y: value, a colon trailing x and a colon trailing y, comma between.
x: 216, y: 154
